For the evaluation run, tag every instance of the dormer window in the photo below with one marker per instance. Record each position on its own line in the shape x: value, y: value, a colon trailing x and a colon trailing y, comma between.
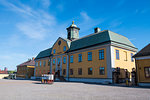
x: 54, y: 51
x: 64, y: 48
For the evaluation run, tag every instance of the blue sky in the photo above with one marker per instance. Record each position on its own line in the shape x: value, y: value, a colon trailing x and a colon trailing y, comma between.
x: 29, y: 26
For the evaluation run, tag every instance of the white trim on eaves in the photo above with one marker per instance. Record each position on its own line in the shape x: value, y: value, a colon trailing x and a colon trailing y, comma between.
x: 140, y: 58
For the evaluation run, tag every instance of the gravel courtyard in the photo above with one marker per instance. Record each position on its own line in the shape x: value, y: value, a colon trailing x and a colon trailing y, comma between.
x: 33, y: 90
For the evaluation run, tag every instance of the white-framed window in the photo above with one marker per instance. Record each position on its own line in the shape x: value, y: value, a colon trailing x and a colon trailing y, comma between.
x: 101, y: 54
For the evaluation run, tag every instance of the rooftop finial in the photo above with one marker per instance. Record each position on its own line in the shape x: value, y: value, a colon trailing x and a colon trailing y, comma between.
x: 73, y: 22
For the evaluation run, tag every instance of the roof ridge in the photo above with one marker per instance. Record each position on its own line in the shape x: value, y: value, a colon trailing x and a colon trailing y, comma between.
x: 118, y: 34
x: 90, y: 35
x: 46, y: 49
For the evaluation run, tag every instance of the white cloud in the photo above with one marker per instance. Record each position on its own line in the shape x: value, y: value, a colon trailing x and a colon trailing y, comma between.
x: 46, y: 3
x: 37, y: 23
x: 32, y: 30
x: 85, y: 16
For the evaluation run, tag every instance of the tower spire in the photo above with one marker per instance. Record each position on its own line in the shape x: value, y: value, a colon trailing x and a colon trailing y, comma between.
x: 73, y: 31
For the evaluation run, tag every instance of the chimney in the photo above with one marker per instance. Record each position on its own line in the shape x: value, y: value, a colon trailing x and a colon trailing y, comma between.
x: 33, y: 58
x: 97, y: 29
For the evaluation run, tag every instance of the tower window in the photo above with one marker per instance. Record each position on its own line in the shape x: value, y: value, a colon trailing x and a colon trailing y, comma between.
x: 69, y: 35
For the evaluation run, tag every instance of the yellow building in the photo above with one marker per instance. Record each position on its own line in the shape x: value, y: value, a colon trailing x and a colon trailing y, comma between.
x: 26, y: 69
x: 42, y: 63
x: 143, y: 66
x: 92, y: 58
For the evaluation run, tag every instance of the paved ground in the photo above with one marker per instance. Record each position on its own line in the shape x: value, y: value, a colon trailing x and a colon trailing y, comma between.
x: 33, y: 90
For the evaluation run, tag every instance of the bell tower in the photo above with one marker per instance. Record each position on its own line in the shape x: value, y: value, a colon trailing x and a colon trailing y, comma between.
x: 73, y: 32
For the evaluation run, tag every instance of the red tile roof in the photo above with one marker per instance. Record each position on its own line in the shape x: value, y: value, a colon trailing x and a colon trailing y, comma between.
x: 3, y: 72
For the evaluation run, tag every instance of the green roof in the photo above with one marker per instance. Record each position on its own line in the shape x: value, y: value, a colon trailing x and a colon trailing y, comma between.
x: 44, y: 53
x: 102, y: 37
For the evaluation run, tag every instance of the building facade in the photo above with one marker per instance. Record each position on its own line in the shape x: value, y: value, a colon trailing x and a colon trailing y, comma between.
x: 91, y: 58
x: 143, y: 66
x: 26, y: 69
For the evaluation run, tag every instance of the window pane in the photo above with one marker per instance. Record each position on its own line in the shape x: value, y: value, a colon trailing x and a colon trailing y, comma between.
x: 101, y: 54
x: 53, y: 61
x: 71, y: 59
x: 49, y: 61
x: 71, y: 71
x: 79, y: 71
x: 117, y: 54
x: 89, y: 56
x: 79, y: 57
x: 44, y: 63
x: 64, y: 71
x: 64, y: 60
x: 64, y: 48
x: 58, y: 61
x: 132, y: 57
x: 147, y: 72
x: 101, y: 71
x: 89, y: 71
x: 54, y: 51
x: 40, y: 63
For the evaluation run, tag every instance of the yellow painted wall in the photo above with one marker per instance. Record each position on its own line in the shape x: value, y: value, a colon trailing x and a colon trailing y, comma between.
x: 85, y: 64
x: 42, y: 69
x: 25, y: 71
x: 141, y: 64
x: 59, y: 48
x: 122, y: 62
